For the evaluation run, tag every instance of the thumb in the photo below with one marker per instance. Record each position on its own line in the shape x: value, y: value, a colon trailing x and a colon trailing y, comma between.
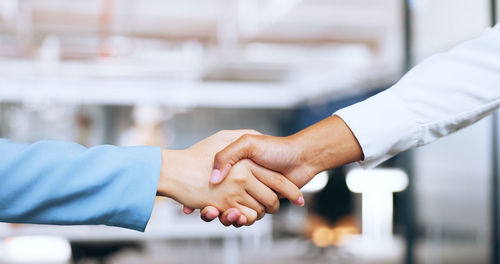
x: 243, y: 148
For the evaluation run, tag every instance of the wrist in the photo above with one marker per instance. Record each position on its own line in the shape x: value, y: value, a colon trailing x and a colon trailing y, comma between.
x: 308, y: 154
x: 168, y: 184
x: 327, y: 144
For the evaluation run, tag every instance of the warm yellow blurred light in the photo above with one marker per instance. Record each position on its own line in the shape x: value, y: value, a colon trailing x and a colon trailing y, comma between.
x: 340, y: 234
x: 322, y: 236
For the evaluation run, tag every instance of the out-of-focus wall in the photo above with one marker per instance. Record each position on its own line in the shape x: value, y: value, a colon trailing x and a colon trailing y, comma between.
x: 452, y: 181
x: 441, y: 24
x: 452, y: 175
x: 93, y: 125
x: 188, y: 128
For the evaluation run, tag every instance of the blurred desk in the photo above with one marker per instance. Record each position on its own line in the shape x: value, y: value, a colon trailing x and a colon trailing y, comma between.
x: 188, y: 229
x: 163, y: 226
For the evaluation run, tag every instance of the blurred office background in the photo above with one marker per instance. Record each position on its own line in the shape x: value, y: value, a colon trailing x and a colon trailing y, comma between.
x: 172, y: 72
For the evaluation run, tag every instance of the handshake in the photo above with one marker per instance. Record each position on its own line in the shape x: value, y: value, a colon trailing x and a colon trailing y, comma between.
x: 238, y: 175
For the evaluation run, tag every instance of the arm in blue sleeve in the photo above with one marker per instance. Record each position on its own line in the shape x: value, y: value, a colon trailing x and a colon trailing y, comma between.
x: 53, y: 182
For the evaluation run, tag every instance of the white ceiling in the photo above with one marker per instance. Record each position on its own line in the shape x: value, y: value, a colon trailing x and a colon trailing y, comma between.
x: 301, y: 48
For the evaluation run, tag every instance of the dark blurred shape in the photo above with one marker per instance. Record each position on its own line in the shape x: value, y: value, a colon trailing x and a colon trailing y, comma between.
x: 335, y: 201
x: 100, y: 251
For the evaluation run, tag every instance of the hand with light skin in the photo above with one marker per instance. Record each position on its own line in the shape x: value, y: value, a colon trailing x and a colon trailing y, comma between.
x: 248, y: 188
x: 322, y: 146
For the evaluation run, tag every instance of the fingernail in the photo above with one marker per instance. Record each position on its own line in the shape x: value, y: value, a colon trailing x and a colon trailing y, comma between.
x: 242, y: 220
x: 300, y: 201
x: 233, y: 216
x: 211, y: 214
x: 187, y: 210
x: 216, y: 176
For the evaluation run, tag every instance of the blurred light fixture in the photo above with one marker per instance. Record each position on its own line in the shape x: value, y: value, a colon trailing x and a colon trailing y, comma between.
x: 317, y: 183
x: 35, y: 249
x: 377, y: 187
x: 380, y: 180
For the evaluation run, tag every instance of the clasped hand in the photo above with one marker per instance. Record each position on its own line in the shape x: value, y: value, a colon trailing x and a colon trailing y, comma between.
x: 250, y: 189
x: 299, y: 157
x: 249, y: 169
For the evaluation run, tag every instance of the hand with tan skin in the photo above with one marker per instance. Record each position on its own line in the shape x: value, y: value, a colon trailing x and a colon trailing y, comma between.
x: 322, y: 146
x: 248, y: 187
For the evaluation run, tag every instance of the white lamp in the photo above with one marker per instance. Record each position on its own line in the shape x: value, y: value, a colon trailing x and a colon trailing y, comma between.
x: 377, y: 187
x: 35, y: 249
x: 316, y: 184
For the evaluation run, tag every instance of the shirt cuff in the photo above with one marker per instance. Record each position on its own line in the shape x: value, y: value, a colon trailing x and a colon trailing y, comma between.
x: 139, y: 183
x: 383, y: 127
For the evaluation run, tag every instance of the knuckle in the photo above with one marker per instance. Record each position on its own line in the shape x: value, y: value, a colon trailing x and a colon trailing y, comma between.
x: 261, y: 215
x: 252, y: 218
x: 245, y: 162
x: 262, y: 210
x: 246, y: 137
x: 270, y: 203
x: 252, y: 131
x: 232, y: 195
x: 280, y: 182
x: 229, y: 198
x: 222, y: 132
x: 242, y: 180
x: 219, y: 157
x: 251, y: 221
x: 274, y: 206
x: 239, y: 178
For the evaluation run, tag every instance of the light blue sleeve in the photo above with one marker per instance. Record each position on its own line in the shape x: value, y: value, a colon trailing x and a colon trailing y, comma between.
x: 62, y: 183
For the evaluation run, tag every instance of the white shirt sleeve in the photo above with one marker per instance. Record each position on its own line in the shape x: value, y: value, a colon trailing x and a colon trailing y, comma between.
x: 443, y: 94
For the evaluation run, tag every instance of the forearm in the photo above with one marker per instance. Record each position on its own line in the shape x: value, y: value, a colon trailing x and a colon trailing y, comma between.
x: 441, y: 95
x: 327, y: 144
x: 52, y: 182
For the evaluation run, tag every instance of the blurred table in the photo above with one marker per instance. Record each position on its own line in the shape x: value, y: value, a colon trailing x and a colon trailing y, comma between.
x: 162, y: 226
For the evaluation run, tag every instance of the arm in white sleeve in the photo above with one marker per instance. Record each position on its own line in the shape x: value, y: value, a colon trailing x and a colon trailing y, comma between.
x: 443, y: 94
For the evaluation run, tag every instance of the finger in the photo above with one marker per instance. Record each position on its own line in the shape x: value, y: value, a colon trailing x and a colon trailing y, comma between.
x: 250, y: 214
x: 225, y: 218
x: 242, y: 148
x: 250, y: 202
x: 278, y: 183
x: 241, y: 221
x: 187, y: 210
x: 230, y: 216
x: 209, y: 213
x: 262, y: 193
